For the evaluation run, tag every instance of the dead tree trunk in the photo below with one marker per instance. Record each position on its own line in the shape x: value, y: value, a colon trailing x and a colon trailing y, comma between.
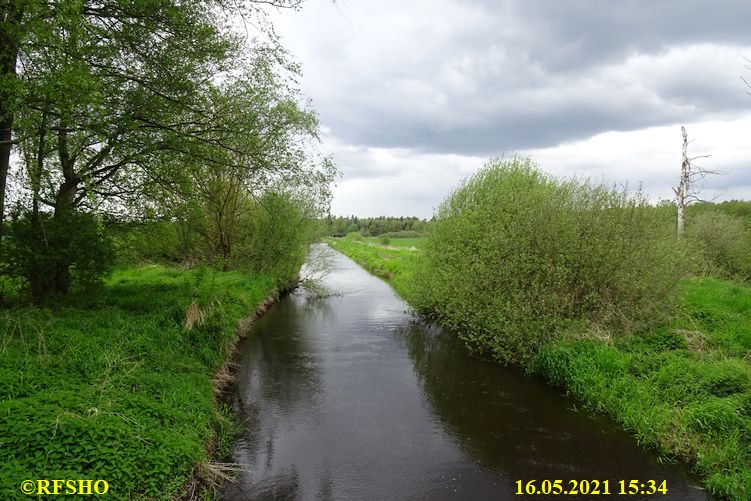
x: 682, y: 190
x: 686, y: 191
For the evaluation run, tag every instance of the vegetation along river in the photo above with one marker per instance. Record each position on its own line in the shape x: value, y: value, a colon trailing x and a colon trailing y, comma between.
x: 353, y: 397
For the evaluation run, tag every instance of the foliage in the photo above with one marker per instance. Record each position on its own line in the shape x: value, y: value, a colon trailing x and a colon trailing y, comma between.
x: 721, y: 244
x: 256, y: 199
x: 275, y: 237
x: 143, y: 109
x: 137, y: 242
x: 116, y: 387
x: 740, y: 209
x: 35, y: 252
x: 376, y: 226
x: 515, y: 257
x: 688, y: 399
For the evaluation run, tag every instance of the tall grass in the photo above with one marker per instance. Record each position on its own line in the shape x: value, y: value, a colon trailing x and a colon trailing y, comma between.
x: 683, y: 388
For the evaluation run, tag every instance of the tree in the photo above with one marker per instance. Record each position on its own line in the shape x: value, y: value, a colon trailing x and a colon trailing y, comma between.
x: 686, y: 191
x: 102, y: 82
x: 110, y: 92
x: 263, y: 140
x: 11, y: 18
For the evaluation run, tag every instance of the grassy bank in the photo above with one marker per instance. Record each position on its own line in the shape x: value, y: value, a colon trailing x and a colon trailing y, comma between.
x: 399, y: 243
x: 118, y: 386
x: 683, y: 388
x: 387, y: 262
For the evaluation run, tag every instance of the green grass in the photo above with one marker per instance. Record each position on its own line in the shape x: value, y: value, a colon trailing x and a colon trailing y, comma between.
x: 114, y: 387
x: 406, y: 243
x: 392, y: 264
x: 723, y: 309
x: 683, y: 389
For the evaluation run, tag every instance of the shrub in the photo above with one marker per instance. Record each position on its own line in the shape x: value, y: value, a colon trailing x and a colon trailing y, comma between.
x: 273, y: 236
x: 515, y: 256
x: 152, y: 241
x: 720, y: 243
x: 56, y: 252
x: 383, y: 240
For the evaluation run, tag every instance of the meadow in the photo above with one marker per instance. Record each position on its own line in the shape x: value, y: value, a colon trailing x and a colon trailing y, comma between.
x: 120, y: 383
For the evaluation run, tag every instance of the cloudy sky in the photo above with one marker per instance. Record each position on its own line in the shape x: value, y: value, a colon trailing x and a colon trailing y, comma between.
x: 414, y: 96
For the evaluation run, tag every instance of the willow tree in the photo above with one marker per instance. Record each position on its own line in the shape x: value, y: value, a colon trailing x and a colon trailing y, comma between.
x: 264, y: 140
x: 106, y: 89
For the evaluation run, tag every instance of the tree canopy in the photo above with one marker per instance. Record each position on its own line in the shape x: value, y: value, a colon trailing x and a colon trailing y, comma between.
x: 140, y: 108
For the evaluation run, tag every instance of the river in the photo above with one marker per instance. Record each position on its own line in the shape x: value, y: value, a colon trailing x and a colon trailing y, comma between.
x: 351, y: 396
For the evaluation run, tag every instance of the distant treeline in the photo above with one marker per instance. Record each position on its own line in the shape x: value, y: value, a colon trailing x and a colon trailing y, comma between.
x: 415, y: 227
x: 740, y: 209
x: 376, y: 226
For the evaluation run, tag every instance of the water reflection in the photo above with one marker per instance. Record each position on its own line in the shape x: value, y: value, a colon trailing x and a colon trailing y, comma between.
x: 349, y: 397
x: 518, y: 427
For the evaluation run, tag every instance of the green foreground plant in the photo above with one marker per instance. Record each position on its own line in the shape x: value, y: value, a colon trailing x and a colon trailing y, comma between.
x: 119, y: 387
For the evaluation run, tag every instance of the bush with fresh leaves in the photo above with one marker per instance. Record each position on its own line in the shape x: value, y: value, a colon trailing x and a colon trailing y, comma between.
x: 152, y: 241
x: 515, y: 256
x: 273, y: 236
x: 55, y: 253
x: 721, y: 244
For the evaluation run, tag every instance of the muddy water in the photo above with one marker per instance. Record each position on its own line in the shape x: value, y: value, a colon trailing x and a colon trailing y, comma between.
x: 353, y: 397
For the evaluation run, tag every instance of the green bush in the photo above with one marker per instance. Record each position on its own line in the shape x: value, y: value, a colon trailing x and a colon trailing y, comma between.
x: 383, y: 240
x: 153, y: 241
x: 354, y: 236
x: 274, y: 235
x: 55, y: 253
x: 721, y: 244
x: 515, y: 256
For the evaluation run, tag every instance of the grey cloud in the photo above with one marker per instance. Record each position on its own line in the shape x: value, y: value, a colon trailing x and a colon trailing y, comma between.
x: 511, y: 75
x: 576, y: 33
x: 399, y: 84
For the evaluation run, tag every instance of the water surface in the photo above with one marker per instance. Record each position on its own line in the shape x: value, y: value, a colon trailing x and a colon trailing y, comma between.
x: 354, y: 397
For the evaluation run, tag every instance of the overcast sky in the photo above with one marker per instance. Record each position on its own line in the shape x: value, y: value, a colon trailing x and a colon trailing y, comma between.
x: 415, y: 95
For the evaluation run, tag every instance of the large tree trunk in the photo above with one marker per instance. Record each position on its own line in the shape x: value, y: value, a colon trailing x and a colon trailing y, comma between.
x: 65, y: 200
x: 64, y: 208
x: 39, y: 282
x: 11, y: 15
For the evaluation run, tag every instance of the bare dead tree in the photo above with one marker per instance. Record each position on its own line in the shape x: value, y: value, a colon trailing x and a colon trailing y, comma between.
x: 687, y: 192
x: 748, y: 67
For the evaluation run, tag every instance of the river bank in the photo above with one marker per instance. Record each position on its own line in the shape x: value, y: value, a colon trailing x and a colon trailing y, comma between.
x: 683, y: 389
x: 122, y: 385
x: 349, y: 395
